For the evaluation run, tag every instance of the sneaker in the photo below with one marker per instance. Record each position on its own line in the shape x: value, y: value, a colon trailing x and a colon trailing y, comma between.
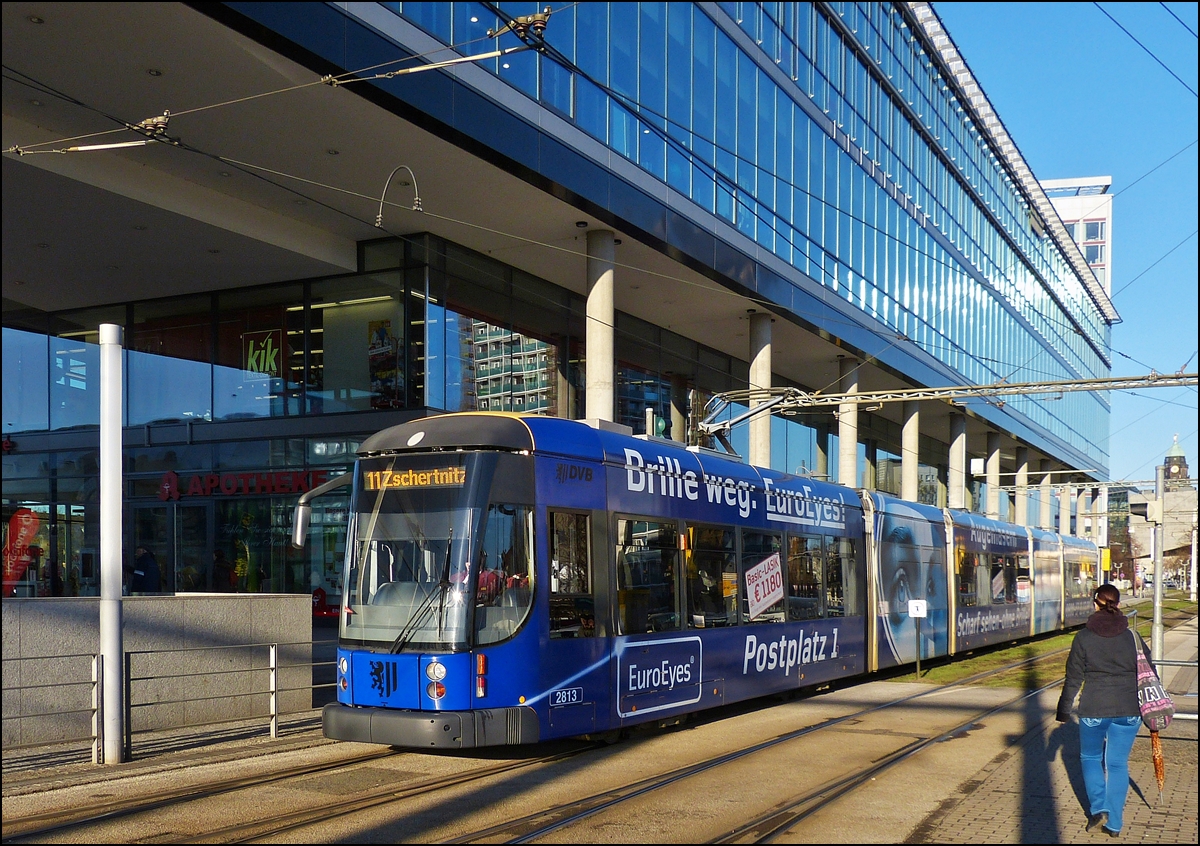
x: 1096, y: 820
x: 1110, y: 832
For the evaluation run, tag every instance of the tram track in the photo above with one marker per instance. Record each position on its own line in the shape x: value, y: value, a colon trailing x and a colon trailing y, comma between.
x: 522, y: 829
x: 59, y: 819
x: 548, y: 822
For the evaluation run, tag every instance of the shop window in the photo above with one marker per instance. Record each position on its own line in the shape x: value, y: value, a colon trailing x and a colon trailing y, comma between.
x: 170, y: 346
x: 357, y: 344
x: 259, y: 340
x: 26, y: 382
x: 75, y: 365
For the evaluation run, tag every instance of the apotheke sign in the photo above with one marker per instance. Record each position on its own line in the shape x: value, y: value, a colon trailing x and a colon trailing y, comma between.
x: 240, y: 484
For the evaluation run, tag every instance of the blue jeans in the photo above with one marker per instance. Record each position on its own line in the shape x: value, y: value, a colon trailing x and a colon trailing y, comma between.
x: 1104, y: 747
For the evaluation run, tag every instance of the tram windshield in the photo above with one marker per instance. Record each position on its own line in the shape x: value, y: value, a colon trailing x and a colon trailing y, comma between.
x: 429, y: 552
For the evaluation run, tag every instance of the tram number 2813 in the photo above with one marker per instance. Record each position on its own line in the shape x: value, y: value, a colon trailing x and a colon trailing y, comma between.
x: 566, y: 696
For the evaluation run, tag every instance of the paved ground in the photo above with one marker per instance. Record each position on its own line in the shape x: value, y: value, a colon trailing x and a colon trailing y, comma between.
x: 1012, y: 778
x: 1033, y: 792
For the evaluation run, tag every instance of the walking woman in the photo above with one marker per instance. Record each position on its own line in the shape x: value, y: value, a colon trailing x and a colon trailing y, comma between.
x: 1103, y: 660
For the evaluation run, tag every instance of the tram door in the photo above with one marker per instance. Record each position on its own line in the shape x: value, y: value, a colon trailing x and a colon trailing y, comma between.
x: 582, y: 705
x: 178, y: 538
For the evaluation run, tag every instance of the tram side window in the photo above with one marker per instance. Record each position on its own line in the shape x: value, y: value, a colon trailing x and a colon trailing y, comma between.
x: 805, y: 568
x: 711, y: 562
x: 756, y: 548
x: 844, y: 596
x: 572, y: 601
x: 983, y: 579
x: 967, y: 595
x: 1004, y: 579
x: 647, y: 558
x: 503, y: 592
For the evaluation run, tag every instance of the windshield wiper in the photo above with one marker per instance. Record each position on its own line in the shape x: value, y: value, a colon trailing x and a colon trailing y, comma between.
x: 418, y: 618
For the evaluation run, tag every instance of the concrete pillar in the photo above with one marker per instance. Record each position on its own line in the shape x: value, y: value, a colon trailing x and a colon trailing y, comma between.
x: 848, y: 423
x: 956, y: 494
x: 1021, y: 496
x: 600, y: 395
x: 679, y: 407
x: 822, y: 451
x: 565, y: 390
x: 910, y: 439
x: 760, y: 377
x: 1064, y: 510
x: 1045, y: 520
x: 993, y: 475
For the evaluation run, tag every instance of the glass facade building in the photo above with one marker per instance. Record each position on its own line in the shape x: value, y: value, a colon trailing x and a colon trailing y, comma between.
x: 833, y: 163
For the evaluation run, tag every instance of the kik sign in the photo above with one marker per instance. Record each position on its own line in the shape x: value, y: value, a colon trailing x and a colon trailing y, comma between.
x: 262, y: 352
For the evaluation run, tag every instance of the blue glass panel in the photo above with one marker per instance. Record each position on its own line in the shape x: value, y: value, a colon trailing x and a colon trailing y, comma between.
x: 623, y: 135
x: 154, y: 389
x: 747, y: 106
x: 679, y: 64
x: 591, y: 41
x: 652, y: 155
x: 726, y: 114
x: 623, y: 62
x: 519, y: 69
x: 434, y: 18
x: 74, y: 383
x: 26, y: 383
x: 556, y: 85
x: 704, y: 88
x: 435, y: 355
x: 471, y: 24
x: 591, y: 109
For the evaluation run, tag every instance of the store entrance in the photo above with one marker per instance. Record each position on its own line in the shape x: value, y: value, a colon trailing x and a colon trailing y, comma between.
x: 178, y: 537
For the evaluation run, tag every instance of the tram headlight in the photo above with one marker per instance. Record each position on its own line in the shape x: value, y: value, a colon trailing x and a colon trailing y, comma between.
x: 435, y: 671
x: 436, y: 690
x: 343, y: 665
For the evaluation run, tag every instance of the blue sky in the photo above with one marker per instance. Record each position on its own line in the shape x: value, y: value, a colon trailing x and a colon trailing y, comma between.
x: 1081, y: 98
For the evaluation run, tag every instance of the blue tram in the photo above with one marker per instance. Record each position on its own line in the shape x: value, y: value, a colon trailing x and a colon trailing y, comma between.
x: 511, y: 579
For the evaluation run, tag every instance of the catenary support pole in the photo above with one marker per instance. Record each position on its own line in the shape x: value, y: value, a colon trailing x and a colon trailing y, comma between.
x: 1156, y: 630
x: 111, y: 541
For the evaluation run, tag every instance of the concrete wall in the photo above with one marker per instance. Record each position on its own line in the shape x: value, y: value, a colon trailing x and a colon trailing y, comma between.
x: 48, y: 644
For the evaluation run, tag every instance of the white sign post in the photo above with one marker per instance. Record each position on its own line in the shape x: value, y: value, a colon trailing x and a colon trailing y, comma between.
x: 916, y: 610
x: 764, y: 584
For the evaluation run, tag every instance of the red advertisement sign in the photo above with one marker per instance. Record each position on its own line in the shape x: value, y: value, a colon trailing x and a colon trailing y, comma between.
x: 22, y: 529
x: 240, y: 484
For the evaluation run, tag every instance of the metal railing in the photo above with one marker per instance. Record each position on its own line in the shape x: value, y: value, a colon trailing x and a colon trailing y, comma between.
x: 259, y: 684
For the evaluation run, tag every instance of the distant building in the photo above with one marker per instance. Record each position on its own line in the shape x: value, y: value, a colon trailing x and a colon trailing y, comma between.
x: 1085, y: 207
x: 1179, y: 516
